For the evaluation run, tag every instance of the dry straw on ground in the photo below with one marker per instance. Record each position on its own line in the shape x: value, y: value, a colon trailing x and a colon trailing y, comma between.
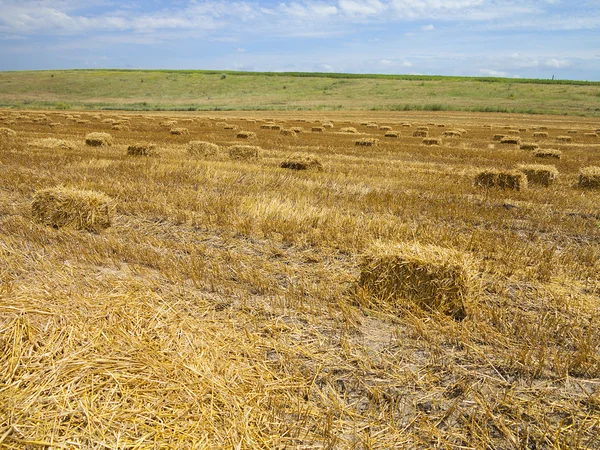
x: 201, y: 148
x: 244, y: 152
x: 589, y: 177
x: 297, y: 129
x: 543, y: 175
x: 367, y: 142
x: 52, y: 143
x: 98, y: 139
x: 503, y: 179
x: 548, y: 153
x: 302, y: 162
x: 287, y: 132
x: 141, y: 149
x: 498, y: 137
x: 7, y: 132
x: 433, y: 278
x: 432, y: 141
x: 452, y: 134
x: 65, y: 207
x: 246, y: 135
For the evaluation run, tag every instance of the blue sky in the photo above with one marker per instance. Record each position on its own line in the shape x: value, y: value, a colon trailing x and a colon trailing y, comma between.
x: 526, y: 38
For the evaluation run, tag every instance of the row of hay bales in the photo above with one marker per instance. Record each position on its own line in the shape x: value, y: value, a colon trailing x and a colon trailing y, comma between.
x: 538, y: 174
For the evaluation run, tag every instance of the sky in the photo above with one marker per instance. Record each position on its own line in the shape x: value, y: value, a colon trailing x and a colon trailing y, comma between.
x: 525, y: 38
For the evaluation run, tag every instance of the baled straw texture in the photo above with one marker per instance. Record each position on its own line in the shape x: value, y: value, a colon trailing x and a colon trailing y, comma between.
x: 201, y: 148
x: 64, y: 207
x: 510, y: 140
x: 246, y: 135
x: 141, y: 149
x: 300, y: 162
x: 430, y: 277
x: 180, y: 131
x: 432, y: 141
x: 7, y: 132
x: 589, y: 177
x: 548, y: 153
x: 367, y: 142
x: 543, y: 175
x: 421, y: 133
x: 52, y: 143
x: 243, y: 152
x: 508, y: 179
x: 98, y: 139
x: 529, y: 146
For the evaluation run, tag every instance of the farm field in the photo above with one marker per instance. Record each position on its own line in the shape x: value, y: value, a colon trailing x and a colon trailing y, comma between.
x: 229, y: 302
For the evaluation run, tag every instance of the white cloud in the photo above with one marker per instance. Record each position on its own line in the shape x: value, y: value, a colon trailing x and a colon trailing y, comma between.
x: 386, y: 62
x: 557, y: 63
x: 427, y: 28
x: 493, y: 73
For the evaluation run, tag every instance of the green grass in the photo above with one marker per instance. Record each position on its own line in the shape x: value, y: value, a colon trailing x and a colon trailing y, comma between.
x: 150, y: 90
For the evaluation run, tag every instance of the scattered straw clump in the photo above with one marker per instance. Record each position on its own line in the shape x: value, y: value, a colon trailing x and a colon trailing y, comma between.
x: 509, y: 179
x: 98, y: 139
x: 511, y: 140
x: 266, y: 126
x: 564, y: 138
x: 166, y: 123
x: 540, y: 134
x: 421, y: 133
x: 548, y: 153
x: 287, y: 132
x: 350, y: 130
x: 230, y: 127
x: 529, y: 146
x: 392, y: 134
x: 52, y: 143
x: 7, y: 132
x: 201, y: 148
x: 433, y: 278
x: 367, y: 142
x: 120, y: 127
x: 452, y: 134
x: 539, y: 174
x: 317, y: 129
x: 79, y: 209
x: 243, y: 152
x: 589, y: 177
x: 432, y: 141
x: 246, y: 135
x: 299, y: 162
x: 180, y: 131
x: 141, y: 149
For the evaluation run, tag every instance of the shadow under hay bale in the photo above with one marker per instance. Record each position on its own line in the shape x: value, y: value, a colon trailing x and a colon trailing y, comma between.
x: 244, y: 152
x: 367, y: 142
x: 299, y: 162
x: 79, y: 209
x: 201, y: 148
x: 432, y: 278
x: 511, y: 179
x: 246, y: 135
x: 142, y: 149
x: 589, y: 177
x: 98, y: 139
x: 548, y: 153
x: 542, y: 175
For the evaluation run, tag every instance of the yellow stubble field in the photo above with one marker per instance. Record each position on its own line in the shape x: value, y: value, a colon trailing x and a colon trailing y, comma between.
x: 223, y: 306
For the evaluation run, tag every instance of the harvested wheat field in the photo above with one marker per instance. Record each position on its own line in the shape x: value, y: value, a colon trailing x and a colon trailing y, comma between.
x: 203, y: 295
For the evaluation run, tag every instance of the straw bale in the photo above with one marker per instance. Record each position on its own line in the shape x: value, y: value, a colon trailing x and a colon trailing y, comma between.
x: 432, y: 141
x: 230, y: 127
x: 368, y: 142
x: 529, y: 146
x: 514, y: 132
x: 287, y: 132
x: 423, y: 128
x: 589, y: 177
x: 201, y: 148
x: 141, y: 149
x: 297, y: 129
x: 432, y: 278
x: 243, y: 152
x: 539, y: 174
x: 302, y: 162
x: 593, y: 135
x: 120, y: 127
x: 548, y: 153
x: 441, y: 125
x: 7, y: 132
x: 65, y: 207
x: 542, y: 128
x: 317, y: 129
x: 327, y: 125
x: 385, y: 128
x: 392, y: 134
x: 276, y: 127
x: 540, y: 134
x: 54, y: 124
x: 498, y: 137
x: 511, y: 140
x: 564, y: 138
x: 180, y: 131
x: 246, y: 135
x: 51, y: 143
x: 505, y: 179
x: 98, y: 139
x: 406, y: 125
x: 421, y: 133
x: 452, y: 134
x: 266, y: 126
x: 350, y: 130
x: 572, y: 132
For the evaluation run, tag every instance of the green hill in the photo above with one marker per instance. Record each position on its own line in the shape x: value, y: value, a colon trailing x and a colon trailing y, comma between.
x: 225, y: 90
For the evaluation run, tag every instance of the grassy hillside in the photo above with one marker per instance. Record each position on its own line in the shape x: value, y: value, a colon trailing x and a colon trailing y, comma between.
x: 211, y: 90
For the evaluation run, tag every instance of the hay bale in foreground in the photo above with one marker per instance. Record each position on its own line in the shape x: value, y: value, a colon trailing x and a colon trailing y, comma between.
x: 548, y: 153
x: 432, y: 141
x: 506, y: 179
x: 433, y: 278
x: 64, y: 207
x: 317, y: 129
x: 246, y: 135
x: 98, y: 139
x: 141, y: 149
x: 539, y: 174
x: 201, y: 148
x: 300, y: 162
x: 367, y: 142
x: 589, y: 177
x: 243, y: 152
x: 7, y: 132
